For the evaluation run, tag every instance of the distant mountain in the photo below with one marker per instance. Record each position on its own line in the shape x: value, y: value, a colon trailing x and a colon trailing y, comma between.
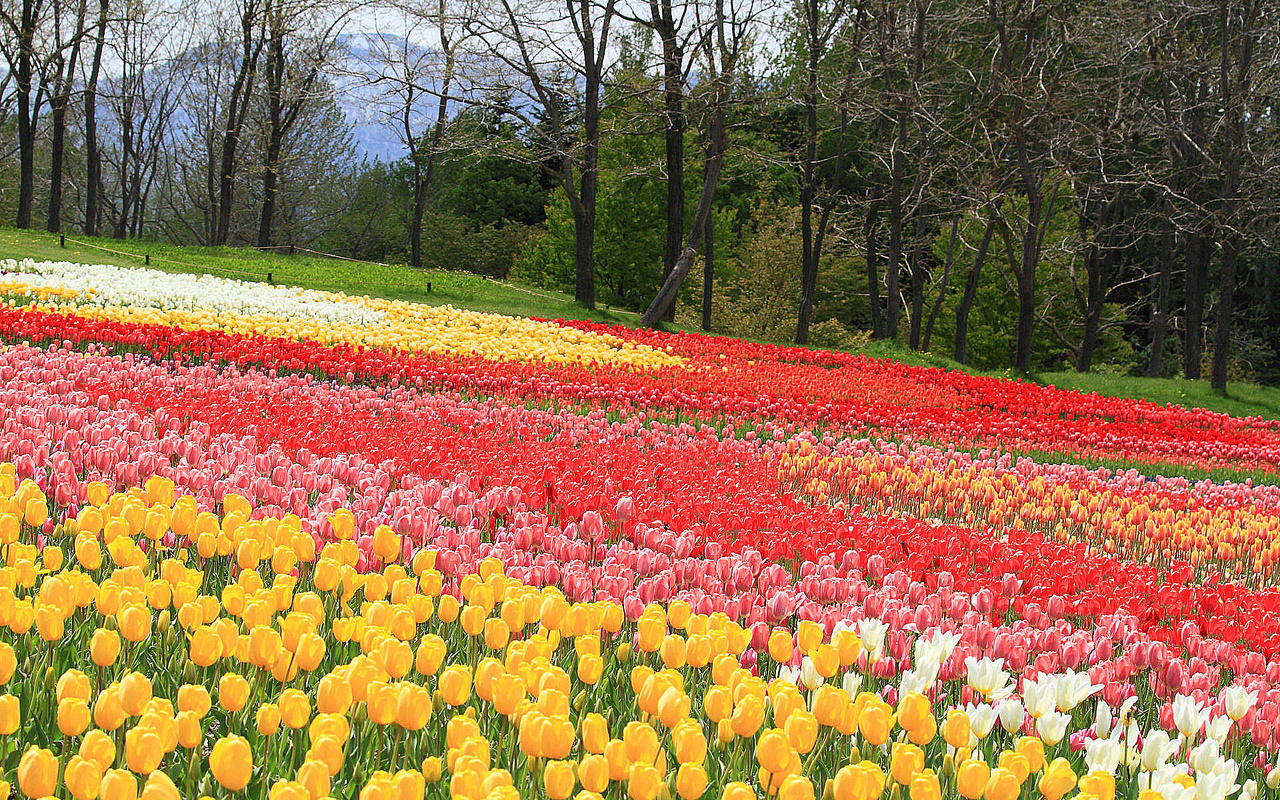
x: 375, y: 139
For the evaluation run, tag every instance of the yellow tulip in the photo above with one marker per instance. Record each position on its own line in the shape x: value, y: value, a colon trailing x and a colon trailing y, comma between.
x: 231, y: 762
x: 956, y: 730
x: 795, y: 787
x: 97, y: 747
x: 455, y: 685
x: 558, y: 779
x: 73, y: 716
x: 10, y: 715
x: 691, y: 781
x: 926, y: 786
x: 118, y: 784
x: 780, y: 648
x: 83, y: 778
x: 267, y: 719
x: 644, y: 782
x: 104, y: 647
x: 233, y: 692
x: 1057, y: 780
x: 971, y: 778
x: 38, y: 772
x: 737, y: 791
x: 1002, y: 785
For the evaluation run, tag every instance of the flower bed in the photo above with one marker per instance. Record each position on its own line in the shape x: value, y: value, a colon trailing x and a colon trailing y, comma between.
x: 245, y: 562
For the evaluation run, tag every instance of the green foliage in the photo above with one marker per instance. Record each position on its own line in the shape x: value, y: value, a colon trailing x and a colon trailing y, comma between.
x: 375, y: 225
x: 494, y: 186
x: 759, y: 299
x: 449, y: 242
x: 630, y: 228
x: 1060, y: 276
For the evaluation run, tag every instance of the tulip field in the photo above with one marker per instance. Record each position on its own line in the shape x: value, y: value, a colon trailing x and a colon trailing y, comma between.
x: 266, y: 542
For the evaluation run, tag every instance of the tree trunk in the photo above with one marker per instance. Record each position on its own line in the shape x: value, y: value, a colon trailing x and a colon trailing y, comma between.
x: 971, y: 288
x: 275, y: 68
x: 415, y: 220
x: 942, y: 288
x: 809, y: 258
x: 1197, y: 269
x: 237, y: 108
x: 1160, y: 305
x: 57, y: 149
x: 701, y: 223
x: 1235, y: 90
x: 584, y: 229
x: 270, y: 183
x: 59, y: 101
x: 893, y: 268
x: 870, y: 228
x: 917, y: 281
x: 1094, y: 268
x: 674, y: 118
x: 93, y: 158
x: 126, y: 151
x: 27, y: 115
x: 708, y: 273
x: 1027, y: 287
x: 1226, y: 312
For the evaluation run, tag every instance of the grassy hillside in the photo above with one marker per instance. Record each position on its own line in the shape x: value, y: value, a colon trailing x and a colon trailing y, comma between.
x: 464, y: 290
x: 459, y: 289
x: 1241, y: 400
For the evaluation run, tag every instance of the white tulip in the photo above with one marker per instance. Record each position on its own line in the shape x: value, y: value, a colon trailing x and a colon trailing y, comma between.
x: 982, y: 718
x: 872, y: 633
x: 988, y: 678
x: 852, y: 683
x: 1011, y: 714
x: 1073, y: 688
x: 1040, y: 696
x: 1218, y: 728
x: 1102, y: 720
x: 1206, y: 756
x: 1238, y: 701
x: 1100, y: 754
x: 809, y: 674
x: 1157, y: 748
x: 1188, y: 716
x: 1052, y: 728
x: 1211, y: 786
x: 105, y: 286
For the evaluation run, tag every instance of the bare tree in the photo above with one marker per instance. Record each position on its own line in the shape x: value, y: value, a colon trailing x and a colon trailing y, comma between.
x: 23, y: 24
x: 141, y: 97
x: 1030, y: 51
x: 413, y: 84
x: 93, y: 156
x: 244, y: 35
x: 819, y: 21
x: 680, y: 42
x: 299, y: 44
x: 729, y: 33
x: 552, y: 56
x: 1241, y: 27
x: 68, y: 35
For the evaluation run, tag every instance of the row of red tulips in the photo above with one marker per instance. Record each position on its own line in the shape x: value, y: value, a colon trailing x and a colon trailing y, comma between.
x: 730, y: 383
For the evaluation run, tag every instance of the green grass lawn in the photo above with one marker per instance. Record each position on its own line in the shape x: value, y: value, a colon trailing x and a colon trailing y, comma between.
x: 1241, y: 399
x: 458, y: 289
x: 464, y: 290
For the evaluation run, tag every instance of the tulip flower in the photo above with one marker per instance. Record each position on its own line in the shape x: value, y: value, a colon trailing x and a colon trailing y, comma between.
x: 231, y: 762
